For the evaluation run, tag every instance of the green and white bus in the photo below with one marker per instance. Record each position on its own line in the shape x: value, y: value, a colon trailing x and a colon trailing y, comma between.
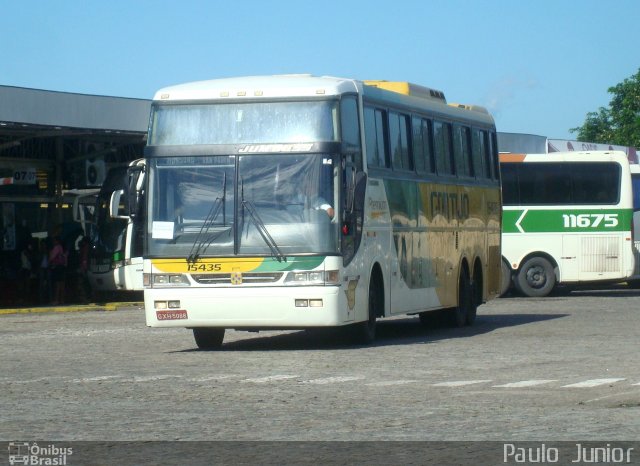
x: 567, y: 219
x: 634, y: 280
x: 295, y: 202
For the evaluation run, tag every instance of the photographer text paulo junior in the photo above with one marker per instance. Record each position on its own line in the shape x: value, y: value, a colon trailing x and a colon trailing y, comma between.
x: 576, y: 453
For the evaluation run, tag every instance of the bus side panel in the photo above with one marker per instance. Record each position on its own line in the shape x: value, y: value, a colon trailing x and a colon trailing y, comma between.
x: 583, y: 252
x: 493, y: 275
x: 432, y: 228
x: 376, y: 244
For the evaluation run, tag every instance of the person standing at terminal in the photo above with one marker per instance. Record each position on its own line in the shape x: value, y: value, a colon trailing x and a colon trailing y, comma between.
x: 58, y: 267
x: 26, y: 273
x: 43, y: 273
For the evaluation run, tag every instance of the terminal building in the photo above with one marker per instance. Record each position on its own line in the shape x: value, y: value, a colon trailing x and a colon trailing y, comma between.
x: 52, y: 143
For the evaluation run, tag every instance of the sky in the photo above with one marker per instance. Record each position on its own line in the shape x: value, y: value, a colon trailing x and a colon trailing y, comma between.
x: 538, y: 66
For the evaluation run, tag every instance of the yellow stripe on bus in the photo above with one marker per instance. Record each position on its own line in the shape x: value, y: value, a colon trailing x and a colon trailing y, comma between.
x: 222, y: 265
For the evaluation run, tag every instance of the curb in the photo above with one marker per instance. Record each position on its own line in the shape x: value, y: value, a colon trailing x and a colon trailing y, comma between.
x: 106, y: 307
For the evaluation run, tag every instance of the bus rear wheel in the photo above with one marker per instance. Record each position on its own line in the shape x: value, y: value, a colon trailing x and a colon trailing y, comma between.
x: 476, y: 300
x: 208, y: 338
x: 536, y: 278
x: 461, y: 313
x: 505, y: 282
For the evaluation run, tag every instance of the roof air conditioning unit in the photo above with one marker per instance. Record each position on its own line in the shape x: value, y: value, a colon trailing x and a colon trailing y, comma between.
x: 95, y: 172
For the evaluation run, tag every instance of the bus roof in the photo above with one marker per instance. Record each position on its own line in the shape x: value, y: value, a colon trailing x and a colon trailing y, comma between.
x: 572, y: 156
x: 403, y: 94
x: 407, y: 88
x: 300, y: 85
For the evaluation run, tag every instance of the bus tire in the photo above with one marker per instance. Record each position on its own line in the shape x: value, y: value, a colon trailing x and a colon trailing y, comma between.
x: 465, y: 300
x: 365, y: 332
x: 505, y: 284
x: 536, y: 277
x: 208, y: 338
x: 475, y: 289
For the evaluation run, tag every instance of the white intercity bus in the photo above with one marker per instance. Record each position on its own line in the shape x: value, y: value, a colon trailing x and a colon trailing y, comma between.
x: 567, y: 219
x: 296, y: 202
x: 115, y: 257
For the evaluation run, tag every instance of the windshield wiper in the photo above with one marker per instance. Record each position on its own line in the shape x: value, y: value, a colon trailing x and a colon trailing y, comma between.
x: 262, y: 229
x: 200, y: 245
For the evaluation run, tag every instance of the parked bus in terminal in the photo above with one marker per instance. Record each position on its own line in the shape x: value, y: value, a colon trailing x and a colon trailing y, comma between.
x: 567, y: 219
x: 115, y: 258
x: 634, y: 280
x: 294, y: 202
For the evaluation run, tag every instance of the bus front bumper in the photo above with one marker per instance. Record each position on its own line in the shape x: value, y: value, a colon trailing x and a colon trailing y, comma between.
x: 246, y: 308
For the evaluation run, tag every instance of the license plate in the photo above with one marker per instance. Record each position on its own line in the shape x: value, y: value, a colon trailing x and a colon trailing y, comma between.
x: 171, y: 315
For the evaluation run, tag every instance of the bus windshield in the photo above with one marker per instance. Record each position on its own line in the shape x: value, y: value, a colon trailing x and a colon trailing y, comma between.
x: 238, y: 123
x: 243, y: 205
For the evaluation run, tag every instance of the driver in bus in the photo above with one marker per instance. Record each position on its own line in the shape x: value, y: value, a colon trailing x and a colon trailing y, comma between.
x: 321, y: 204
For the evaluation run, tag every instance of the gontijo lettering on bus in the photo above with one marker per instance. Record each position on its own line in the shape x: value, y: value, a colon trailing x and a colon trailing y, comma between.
x: 450, y: 205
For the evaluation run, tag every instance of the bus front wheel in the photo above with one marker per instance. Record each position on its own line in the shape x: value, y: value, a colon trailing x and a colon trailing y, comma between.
x: 208, y: 338
x: 536, y: 278
x: 365, y: 332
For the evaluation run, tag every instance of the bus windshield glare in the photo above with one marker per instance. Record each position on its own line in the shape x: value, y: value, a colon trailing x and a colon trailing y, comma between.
x: 243, y: 205
x: 239, y: 123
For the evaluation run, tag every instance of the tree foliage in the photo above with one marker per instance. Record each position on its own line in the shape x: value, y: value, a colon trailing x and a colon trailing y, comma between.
x: 618, y: 124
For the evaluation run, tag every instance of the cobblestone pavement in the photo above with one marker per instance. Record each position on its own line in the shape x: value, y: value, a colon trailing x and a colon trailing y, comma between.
x: 558, y: 368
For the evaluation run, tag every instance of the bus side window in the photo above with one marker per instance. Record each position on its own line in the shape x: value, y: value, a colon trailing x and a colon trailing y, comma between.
x: 510, y: 191
x: 374, y: 128
x: 461, y: 151
x: 350, y: 129
x: 635, y: 181
x: 399, y: 141
x: 479, y: 154
x: 493, y: 155
x: 370, y: 142
x: 442, y: 147
x: 381, y: 136
x: 422, y: 151
x: 427, y: 137
x: 417, y: 145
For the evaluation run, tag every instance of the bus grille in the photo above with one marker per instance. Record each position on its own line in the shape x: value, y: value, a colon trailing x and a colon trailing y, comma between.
x: 226, y: 278
x: 601, y: 254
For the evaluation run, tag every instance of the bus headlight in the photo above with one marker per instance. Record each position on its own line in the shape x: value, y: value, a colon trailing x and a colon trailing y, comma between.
x: 169, y: 280
x: 175, y: 304
x: 315, y: 277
